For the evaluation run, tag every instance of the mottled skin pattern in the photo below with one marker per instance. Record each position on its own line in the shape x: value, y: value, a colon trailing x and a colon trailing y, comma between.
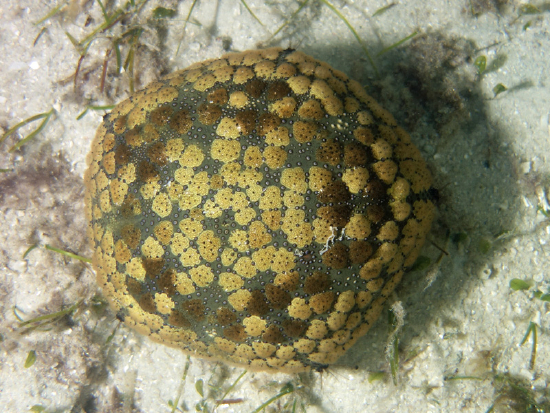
x: 257, y: 209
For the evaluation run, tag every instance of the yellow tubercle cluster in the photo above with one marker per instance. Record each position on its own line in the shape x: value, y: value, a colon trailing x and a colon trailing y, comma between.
x: 257, y: 209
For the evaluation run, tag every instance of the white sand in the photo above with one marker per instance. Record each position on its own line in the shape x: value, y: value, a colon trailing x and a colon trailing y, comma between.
x: 489, y: 160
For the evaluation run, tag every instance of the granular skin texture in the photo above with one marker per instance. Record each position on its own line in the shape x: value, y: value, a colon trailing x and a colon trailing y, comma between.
x: 257, y: 209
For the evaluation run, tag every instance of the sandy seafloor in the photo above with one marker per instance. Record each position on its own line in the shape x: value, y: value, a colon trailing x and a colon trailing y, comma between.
x: 488, y: 156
